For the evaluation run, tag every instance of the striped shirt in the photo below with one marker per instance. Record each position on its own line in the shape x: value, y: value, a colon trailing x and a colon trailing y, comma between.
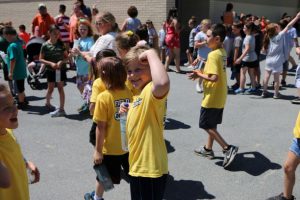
x: 61, y: 21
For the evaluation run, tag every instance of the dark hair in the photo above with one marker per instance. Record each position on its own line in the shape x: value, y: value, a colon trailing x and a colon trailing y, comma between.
x: 22, y: 27
x: 94, y: 72
x: 250, y: 26
x: 229, y: 7
x: 112, y: 73
x: 218, y: 30
x: 8, y: 30
x: 105, y: 53
x: 142, y: 32
x: 62, y: 8
x: 132, y: 12
x: 173, y: 13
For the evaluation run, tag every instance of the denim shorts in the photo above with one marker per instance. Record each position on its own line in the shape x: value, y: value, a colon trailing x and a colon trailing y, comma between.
x: 295, y: 147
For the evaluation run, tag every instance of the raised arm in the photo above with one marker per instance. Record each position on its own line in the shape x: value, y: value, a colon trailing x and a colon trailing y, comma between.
x: 291, y: 23
x: 160, y: 78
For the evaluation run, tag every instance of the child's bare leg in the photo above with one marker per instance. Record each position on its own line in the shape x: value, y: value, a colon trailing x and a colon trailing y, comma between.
x: 290, y: 167
x: 276, y: 82
x: 266, y: 80
x: 251, y: 72
x: 21, y: 97
x: 243, y: 77
x: 49, y: 92
x: 169, y: 57
x: 99, y: 189
x: 210, y: 142
x: 214, y: 134
x: 60, y: 87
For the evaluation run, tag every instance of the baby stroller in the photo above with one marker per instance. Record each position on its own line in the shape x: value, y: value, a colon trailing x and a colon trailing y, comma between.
x: 35, y: 67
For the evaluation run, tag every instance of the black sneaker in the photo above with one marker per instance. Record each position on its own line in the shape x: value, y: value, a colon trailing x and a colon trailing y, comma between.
x: 229, y: 155
x: 280, y: 197
x: 283, y: 83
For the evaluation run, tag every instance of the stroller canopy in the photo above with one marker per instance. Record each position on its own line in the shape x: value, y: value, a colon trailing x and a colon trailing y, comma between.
x: 33, y: 47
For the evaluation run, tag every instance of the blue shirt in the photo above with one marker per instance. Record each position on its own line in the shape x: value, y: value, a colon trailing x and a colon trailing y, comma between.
x: 81, y: 65
x: 275, y: 53
x: 204, y: 50
x: 251, y: 55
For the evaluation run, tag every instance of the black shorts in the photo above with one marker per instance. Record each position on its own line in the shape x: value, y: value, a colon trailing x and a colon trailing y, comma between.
x: 210, y: 117
x: 51, y: 75
x: 236, y: 68
x: 19, y: 85
x: 285, y: 66
x: 114, y: 164
x: 148, y: 188
x: 253, y: 64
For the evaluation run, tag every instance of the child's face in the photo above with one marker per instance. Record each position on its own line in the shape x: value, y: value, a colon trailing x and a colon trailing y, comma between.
x: 9, y: 38
x: 8, y: 112
x: 138, y: 74
x: 54, y: 35
x: 235, y: 30
x: 83, y: 30
x: 212, y: 42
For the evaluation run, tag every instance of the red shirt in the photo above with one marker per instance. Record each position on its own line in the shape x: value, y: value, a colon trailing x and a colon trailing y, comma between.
x: 25, y: 37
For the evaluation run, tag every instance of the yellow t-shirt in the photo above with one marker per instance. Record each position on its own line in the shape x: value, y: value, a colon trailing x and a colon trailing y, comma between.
x: 147, y: 149
x: 107, y: 110
x: 99, y: 86
x: 297, y: 127
x: 215, y: 93
x: 11, y: 156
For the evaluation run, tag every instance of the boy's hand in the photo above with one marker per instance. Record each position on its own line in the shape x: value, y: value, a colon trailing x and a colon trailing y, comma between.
x: 143, y: 58
x: 195, y: 62
x: 10, y: 76
x: 194, y: 75
x: 34, y: 171
x: 98, y: 157
x: 59, y: 64
x: 54, y: 65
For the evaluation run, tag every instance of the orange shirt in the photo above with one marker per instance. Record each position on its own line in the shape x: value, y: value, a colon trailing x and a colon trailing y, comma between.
x: 43, y: 22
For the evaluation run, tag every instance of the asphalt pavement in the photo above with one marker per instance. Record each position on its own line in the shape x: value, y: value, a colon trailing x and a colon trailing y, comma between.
x: 262, y: 128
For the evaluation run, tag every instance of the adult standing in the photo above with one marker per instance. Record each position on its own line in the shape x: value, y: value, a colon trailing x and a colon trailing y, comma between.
x: 85, y: 9
x: 42, y: 21
x: 132, y: 22
x: 172, y: 39
x: 106, y: 27
x: 77, y: 14
x: 229, y: 15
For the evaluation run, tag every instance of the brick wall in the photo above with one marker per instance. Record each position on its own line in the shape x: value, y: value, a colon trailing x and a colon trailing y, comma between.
x: 22, y: 12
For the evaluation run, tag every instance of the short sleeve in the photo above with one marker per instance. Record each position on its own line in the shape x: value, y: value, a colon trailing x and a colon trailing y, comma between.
x: 12, y: 51
x: 101, y: 109
x: 213, y: 64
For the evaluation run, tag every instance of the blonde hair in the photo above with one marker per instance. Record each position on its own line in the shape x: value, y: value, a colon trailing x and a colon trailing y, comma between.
x: 205, y: 22
x: 107, y: 17
x: 134, y: 53
x: 127, y: 40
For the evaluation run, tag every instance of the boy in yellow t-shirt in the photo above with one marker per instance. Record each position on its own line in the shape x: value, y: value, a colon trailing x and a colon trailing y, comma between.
x: 108, y: 148
x: 290, y: 166
x: 148, y: 161
x: 13, y: 175
x: 215, y: 93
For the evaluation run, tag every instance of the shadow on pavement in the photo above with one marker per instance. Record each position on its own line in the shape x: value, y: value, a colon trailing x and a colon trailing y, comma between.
x: 79, y: 117
x: 34, y: 98
x: 171, y: 124
x: 170, y: 148
x: 36, y: 110
x: 253, y: 163
x: 185, y: 189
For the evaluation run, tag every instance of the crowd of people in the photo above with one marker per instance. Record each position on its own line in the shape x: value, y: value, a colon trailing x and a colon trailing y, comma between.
x: 123, y: 71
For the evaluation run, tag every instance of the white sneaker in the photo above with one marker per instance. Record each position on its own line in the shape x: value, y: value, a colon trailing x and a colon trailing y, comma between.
x: 58, y: 113
x: 199, y: 88
x: 191, y: 67
x: 186, y: 64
